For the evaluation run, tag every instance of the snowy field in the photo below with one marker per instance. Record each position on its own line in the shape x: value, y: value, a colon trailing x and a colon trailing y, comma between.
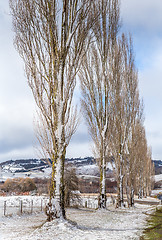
x: 158, y: 177
x: 156, y: 192
x: 83, y: 224
x: 14, y: 205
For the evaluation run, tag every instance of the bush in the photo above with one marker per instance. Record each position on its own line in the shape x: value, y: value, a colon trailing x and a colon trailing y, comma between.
x: 71, y: 187
x: 19, y: 185
x: 42, y: 184
x: 27, y: 185
x: 158, y: 184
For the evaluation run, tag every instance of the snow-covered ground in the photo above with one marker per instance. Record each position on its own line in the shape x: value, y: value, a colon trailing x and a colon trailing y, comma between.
x: 84, y: 224
x: 108, y: 224
x: 156, y: 192
x: 92, y: 170
x: 158, y: 177
x: 14, y: 205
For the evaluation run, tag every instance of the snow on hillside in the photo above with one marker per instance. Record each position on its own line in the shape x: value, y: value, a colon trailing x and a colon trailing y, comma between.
x: 155, y: 192
x: 158, y: 177
x: 32, y: 174
x: 88, y: 170
x: 35, y: 168
x: 92, y: 169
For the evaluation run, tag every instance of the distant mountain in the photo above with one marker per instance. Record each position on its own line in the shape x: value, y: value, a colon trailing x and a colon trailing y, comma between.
x: 40, y: 168
x: 25, y: 165
x: 22, y: 165
x: 158, y: 166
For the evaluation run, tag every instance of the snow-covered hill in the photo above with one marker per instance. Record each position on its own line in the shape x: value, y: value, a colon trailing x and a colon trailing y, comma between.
x: 24, y: 168
x: 158, y: 166
x: 23, y: 165
x: 38, y: 168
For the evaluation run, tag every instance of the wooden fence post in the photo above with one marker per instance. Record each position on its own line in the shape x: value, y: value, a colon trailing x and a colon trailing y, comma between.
x: 41, y: 205
x: 4, y: 208
x: 21, y: 206
x: 31, y: 206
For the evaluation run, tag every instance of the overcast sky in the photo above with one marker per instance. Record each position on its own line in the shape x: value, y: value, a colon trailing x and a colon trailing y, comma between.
x: 144, y: 20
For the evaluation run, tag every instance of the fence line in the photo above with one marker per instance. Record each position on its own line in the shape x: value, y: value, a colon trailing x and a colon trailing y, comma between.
x: 31, y: 204
x: 21, y: 206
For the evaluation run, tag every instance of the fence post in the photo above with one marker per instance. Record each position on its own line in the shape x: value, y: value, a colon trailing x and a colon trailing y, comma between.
x: 41, y: 205
x: 31, y: 206
x: 4, y: 208
x: 21, y: 206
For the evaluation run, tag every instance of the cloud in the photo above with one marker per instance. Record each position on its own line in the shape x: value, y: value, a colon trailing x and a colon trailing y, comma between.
x: 19, y: 138
x: 142, y: 15
x: 79, y: 149
x: 16, y: 127
x: 150, y: 76
x: 154, y: 139
x: 16, y: 101
x: 150, y: 84
x: 18, y: 153
x: 154, y: 127
x: 144, y: 20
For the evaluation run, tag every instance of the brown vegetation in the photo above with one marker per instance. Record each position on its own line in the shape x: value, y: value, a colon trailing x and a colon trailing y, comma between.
x: 19, y: 185
x: 92, y: 185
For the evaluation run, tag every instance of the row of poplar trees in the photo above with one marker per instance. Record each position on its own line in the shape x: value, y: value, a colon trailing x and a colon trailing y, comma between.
x: 60, y: 40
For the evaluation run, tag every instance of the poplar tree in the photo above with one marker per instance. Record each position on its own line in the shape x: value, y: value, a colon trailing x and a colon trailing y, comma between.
x: 50, y: 36
x: 96, y: 83
x: 125, y: 109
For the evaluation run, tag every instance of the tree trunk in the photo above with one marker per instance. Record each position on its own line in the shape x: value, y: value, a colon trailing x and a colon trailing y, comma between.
x: 58, y: 201
x: 102, y: 197
x: 120, y: 190
x: 56, y: 205
x: 120, y: 196
x: 128, y: 193
x: 140, y: 192
x: 132, y: 196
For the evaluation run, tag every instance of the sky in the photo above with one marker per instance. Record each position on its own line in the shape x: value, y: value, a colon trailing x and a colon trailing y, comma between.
x: 143, y: 19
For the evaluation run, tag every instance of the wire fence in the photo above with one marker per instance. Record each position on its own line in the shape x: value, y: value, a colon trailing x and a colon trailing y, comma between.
x: 34, y: 204
x: 91, y: 201
x: 20, y: 206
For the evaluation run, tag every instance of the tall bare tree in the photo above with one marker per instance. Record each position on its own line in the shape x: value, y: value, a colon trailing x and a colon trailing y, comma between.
x: 132, y: 160
x: 148, y: 173
x: 96, y: 83
x: 50, y: 36
x: 144, y: 167
x: 125, y: 108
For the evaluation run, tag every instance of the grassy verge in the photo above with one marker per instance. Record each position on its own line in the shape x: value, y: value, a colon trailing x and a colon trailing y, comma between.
x: 154, y: 229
